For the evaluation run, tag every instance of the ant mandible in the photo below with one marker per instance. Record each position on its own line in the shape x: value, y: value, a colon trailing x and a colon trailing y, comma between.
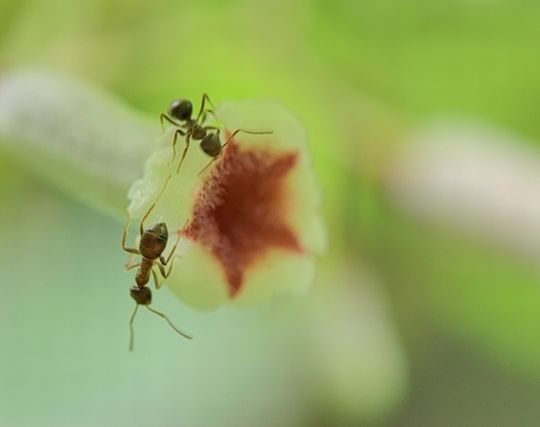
x: 179, y: 114
x: 153, y: 242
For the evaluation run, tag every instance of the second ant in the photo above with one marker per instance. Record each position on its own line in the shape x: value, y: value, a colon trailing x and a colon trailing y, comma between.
x: 180, y: 115
x: 153, y: 241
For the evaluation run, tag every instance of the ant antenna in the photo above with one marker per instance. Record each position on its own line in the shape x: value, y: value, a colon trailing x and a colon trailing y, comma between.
x: 178, y: 331
x: 131, y: 334
x: 131, y: 327
x: 153, y: 205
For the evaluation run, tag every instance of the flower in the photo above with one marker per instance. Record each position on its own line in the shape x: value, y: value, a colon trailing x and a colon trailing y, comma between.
x: 249, y: 227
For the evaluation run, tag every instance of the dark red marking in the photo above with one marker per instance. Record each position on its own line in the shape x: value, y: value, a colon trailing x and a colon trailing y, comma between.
x: 239, y: 212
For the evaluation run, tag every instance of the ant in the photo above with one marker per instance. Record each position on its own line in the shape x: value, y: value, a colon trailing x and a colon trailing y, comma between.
x: 180, y: 113
x: 153, y: 242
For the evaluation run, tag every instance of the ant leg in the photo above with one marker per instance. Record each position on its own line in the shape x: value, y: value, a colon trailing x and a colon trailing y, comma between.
x: 175, y: 139
x: 124, y: 237
x: 152, y: 206
x: 156, y: 279
x: 173, y: 250
x: 164, y: 273
x: 132, y: 266
x: 215, y: 158
x: 128, y: 264
x: 205, y: 98
x: 162, y: 263
x: 203, y: 118
x: 210, y: 163
x: 163, y: 117
x: 131, y: 327
x: 251, y: 132
x: 188, y: 137
x: 178, y: 331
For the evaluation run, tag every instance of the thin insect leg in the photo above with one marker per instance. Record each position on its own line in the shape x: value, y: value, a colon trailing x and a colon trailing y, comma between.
x: 163, y: 117
x: 205, y: 98
x: 203, y: 118
x: 124, y: 237
x: 175, y: 140
x: 173, y: 250
x: 162, y: 262
x: 131, y: 338
x: 156, y: 279
x: 129, y: 260
x: 215, y: 158
x: 255, y: 132
x: 153, y: 205
x: 251, y: 132
x: 132, y: 266
x: 188, y: 137
x: 210, y: 163
x: 164, y: 273
x: 169, y: 322
x: 211, y: 128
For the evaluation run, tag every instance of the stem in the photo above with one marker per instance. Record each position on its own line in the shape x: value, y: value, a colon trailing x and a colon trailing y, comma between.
x: 75, y: 136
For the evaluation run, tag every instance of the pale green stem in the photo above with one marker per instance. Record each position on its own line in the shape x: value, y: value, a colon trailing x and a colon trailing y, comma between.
x: 75, y: 136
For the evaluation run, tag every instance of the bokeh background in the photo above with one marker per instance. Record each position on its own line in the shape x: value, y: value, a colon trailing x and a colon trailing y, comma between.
x: 424, y: 128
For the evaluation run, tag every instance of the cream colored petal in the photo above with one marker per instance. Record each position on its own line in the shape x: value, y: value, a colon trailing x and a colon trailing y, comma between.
x: 198, y: 278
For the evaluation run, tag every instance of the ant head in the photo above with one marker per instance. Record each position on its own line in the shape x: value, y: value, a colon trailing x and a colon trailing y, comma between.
x: 142, y: 296
x: 154, y: 240
x: 211, y: 145
x: 181, y: 109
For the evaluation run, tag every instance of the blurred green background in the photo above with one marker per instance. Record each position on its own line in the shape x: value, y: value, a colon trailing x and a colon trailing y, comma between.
x: 417, y: 319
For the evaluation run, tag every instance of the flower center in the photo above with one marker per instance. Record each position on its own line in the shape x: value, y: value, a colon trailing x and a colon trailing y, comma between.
x: 240, y: 210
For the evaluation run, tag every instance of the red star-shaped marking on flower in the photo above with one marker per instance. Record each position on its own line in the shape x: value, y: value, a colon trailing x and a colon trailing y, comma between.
x: 239, y: 212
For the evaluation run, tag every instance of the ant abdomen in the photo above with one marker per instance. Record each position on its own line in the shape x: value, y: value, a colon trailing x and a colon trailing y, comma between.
x: 211, y: 145
x: 142, y: 296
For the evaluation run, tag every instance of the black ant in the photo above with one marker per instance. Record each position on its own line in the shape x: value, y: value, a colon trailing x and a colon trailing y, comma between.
x: 179, y: 114
x: 153, y: 241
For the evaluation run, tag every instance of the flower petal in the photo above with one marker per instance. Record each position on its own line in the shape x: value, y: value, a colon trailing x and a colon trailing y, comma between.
x: 250, y: 225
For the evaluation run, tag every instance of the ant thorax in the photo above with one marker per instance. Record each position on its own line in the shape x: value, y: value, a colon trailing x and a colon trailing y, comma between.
x: 197, y: 131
